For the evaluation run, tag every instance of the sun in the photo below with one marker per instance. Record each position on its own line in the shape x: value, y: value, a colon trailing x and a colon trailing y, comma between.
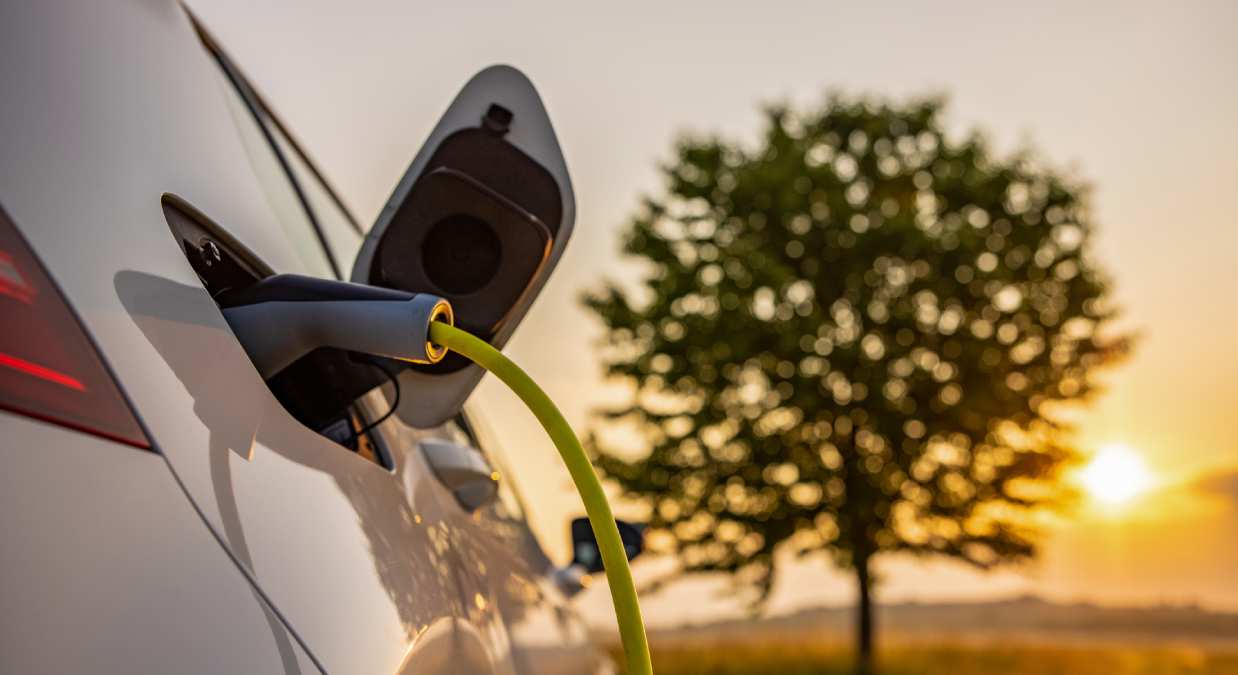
x: 1116, y: 475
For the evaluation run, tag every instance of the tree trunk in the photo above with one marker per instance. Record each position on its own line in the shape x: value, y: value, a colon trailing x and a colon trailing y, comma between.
x: 864, y: 618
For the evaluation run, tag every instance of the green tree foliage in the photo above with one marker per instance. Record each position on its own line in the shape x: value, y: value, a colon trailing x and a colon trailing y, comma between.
x: 851, y: 339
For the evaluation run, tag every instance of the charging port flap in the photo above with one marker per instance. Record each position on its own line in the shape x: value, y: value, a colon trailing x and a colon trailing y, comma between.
x: 480, y: 218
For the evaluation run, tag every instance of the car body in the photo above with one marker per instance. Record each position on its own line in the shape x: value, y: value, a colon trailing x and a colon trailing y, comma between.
x: 234, y: 537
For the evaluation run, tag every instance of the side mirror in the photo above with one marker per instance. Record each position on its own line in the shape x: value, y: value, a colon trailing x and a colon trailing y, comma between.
x: 585, y: 552
x: 462, y: 470
x: 480, y: 218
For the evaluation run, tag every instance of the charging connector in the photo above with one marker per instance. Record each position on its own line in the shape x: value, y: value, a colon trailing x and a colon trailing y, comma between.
x: 284, y: 317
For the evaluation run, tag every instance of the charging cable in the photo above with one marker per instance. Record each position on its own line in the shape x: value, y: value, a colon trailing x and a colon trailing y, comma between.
x: 614, y: 559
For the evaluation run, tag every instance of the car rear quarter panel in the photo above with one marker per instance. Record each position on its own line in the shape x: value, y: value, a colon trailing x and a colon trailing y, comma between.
x: 106, y: 568
x: 107, y: 107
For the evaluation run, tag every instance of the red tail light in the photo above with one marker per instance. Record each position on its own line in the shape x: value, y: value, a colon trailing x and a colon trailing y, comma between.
x: 49, y: 369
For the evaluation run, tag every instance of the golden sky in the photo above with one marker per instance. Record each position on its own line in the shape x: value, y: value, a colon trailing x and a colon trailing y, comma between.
x: 1140, y: 99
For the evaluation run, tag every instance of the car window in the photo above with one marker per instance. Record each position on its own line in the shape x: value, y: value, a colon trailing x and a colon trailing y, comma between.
x: 342, y: 235
x: 280, y: 191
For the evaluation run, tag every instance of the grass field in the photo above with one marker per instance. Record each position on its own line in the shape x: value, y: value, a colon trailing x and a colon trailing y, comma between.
x: 782, y: 658
x: 1012, y: 636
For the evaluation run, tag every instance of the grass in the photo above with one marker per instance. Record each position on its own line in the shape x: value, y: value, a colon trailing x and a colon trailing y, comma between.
x: 782, y: 657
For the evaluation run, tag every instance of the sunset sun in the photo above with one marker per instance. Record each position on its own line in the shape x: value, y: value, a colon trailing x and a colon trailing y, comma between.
x: 1116, y: 475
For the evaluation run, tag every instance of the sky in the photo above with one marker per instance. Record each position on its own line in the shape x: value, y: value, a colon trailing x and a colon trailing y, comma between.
x: 1139, y: 99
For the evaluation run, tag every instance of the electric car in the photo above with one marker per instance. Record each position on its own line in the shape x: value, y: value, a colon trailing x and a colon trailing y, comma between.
x: 171, y: 503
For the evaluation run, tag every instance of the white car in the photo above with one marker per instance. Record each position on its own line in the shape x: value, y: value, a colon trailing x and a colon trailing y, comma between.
x: 167, y: 503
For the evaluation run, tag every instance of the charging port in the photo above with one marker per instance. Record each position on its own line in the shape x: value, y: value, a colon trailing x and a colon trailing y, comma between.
x: 321, y: 390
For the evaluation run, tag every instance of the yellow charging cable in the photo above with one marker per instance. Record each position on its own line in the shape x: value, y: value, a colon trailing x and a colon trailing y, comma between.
x: 618, y: 575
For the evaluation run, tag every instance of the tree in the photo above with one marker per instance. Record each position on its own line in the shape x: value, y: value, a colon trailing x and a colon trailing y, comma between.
x: 852, y: 339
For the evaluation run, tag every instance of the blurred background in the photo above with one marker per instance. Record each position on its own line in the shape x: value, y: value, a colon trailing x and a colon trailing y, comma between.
x: 1138, y: 100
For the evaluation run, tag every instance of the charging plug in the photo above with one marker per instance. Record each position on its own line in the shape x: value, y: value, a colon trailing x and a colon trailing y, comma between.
x: 284, y: 317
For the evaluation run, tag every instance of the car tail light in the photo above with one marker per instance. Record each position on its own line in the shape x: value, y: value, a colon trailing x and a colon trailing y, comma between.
x: 49, y: 369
